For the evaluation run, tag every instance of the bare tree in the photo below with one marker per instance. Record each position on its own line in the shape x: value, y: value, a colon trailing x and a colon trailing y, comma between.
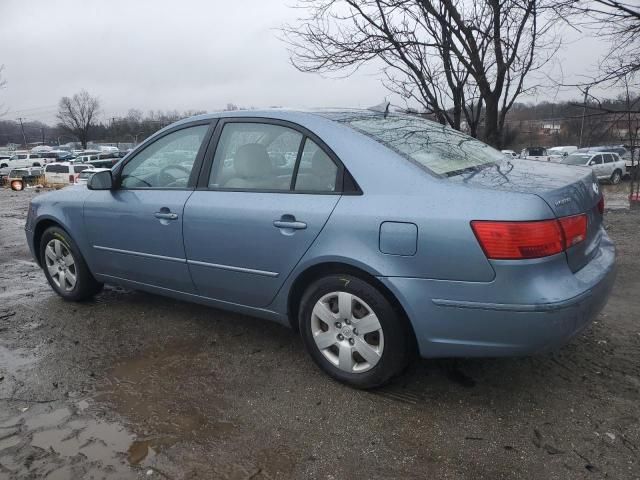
x: 456, y: 58
x: 77, y: 114
x: 616, y: 21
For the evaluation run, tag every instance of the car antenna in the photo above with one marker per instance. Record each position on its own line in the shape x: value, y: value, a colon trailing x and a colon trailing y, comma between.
x: 381, y: 108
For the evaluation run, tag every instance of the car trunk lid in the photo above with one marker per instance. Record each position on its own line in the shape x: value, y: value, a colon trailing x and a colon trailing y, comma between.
x: 568, y: 190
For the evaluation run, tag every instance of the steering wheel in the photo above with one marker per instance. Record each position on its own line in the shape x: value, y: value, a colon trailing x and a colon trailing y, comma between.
x: 172, y: 179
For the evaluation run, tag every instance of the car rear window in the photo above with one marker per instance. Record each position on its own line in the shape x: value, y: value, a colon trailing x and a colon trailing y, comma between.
x: 57, y: 168
x: 439, y: 149
x: 536, y: 152
x: 79, y: 168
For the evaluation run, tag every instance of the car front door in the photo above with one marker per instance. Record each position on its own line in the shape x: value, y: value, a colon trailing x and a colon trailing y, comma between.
x: 257, y: 210
x: 135, y: 229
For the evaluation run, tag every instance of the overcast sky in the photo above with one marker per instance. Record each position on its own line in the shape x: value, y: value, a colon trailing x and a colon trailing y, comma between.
x: 184, y: 55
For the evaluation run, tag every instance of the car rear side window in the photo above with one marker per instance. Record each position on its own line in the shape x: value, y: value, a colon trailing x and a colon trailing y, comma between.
x: 317, y: 172
x: 255, y: 156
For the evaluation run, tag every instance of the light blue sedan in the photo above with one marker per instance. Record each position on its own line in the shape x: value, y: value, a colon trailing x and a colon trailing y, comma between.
x: 375, y: 235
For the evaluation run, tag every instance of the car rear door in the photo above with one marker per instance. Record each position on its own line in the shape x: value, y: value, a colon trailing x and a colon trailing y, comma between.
x: 250, y: 222
x: 608, y: 165
x: 135, y: 229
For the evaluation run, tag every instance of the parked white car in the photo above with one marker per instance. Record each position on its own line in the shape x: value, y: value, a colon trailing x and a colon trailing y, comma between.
x: 21, y: 160
x: 558, y: 153
x: 84, y: 175
x: 509, y: 153
x: 63, y: 173
x: 83, y: 158
x: 535, y: 153
x: 606, y: 165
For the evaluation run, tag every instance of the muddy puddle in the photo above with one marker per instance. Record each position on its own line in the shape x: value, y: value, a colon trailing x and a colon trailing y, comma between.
x: 61, y: 438
x: 162, y: 391
x: 65, y: 442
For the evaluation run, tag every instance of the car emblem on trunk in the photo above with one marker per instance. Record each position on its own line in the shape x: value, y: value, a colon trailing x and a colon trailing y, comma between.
x: 564, y: 201
x: 595, y: 187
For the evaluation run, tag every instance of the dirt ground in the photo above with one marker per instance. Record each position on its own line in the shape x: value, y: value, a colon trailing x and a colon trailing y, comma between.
x: 131, y: 385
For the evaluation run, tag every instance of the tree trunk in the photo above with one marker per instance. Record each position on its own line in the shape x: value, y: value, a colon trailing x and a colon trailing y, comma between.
x: 492, y: 134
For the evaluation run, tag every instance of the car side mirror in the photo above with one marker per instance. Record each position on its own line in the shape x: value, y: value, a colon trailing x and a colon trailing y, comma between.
x: 100, y: 181
x: 592, y: 162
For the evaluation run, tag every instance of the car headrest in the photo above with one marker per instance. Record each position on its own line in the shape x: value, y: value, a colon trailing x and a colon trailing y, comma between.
x: 251, y: 160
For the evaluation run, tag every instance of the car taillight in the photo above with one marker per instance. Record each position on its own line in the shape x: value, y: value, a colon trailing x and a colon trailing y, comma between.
x: 574, y: 229
x: 601, y: 205
x: 521, y: 240
x: 72, y: 179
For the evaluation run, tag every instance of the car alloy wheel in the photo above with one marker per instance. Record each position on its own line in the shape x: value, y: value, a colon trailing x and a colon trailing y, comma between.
x: 61, y: 265
x: 347, y: 332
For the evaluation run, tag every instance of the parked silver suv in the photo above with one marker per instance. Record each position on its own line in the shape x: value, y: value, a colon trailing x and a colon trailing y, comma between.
x: 605, y: 165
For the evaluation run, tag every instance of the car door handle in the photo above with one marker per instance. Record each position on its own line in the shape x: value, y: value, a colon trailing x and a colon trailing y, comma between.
x: 166, y: 215
x: 293, y: 224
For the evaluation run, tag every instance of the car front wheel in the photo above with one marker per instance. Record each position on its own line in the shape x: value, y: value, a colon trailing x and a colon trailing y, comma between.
x: 65, y: 268
x: 352, y: 331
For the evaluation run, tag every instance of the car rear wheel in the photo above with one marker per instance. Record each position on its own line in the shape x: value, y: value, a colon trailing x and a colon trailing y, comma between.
x: 65, y: 268
x: 352, y: 331
x: 616, y: 177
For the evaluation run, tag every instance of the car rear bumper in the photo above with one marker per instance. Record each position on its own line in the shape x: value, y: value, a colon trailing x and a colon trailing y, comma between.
x: 529, y: 308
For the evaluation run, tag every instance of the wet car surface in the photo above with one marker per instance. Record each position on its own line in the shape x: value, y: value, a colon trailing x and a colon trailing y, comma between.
x: 132, y: 385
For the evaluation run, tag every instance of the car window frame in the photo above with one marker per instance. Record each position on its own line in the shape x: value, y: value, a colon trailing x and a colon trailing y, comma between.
x: 197, y: 163
x: 343, y: 177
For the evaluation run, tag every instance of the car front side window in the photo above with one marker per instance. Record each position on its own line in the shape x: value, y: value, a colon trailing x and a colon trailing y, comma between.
x: 165, y: 163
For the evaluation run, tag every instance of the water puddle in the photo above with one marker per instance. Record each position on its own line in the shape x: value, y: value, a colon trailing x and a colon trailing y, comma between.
x: 155, y: 392
x: 12, y: 360
x: 65, y: 443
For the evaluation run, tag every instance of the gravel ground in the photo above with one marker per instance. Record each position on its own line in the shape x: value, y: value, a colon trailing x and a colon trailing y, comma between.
x: 131, y: 385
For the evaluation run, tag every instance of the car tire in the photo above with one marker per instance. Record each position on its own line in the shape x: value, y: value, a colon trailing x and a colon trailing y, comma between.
x: 616, y: 176
x: 331, y: 311
x: 65, y: 268
x: 3, y: 165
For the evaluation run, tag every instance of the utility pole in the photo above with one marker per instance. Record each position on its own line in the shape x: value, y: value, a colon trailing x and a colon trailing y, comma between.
x: 584, y: 109
x: 24, y: 137
x: 42, y: 131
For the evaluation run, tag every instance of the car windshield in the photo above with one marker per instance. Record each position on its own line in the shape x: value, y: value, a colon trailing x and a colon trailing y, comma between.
x: 576, y: 159
x: 440, y: 149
